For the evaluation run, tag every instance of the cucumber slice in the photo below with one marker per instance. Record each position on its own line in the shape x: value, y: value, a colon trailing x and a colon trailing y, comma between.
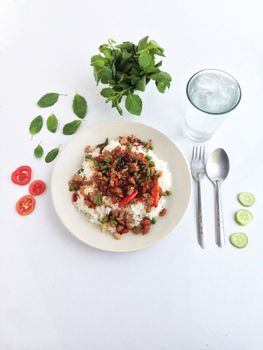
x: 239, y: 240
x: 243, y: 217
x: 246, y: 199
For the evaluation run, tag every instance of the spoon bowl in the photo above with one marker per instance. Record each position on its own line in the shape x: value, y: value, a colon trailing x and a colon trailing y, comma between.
x: 218, y: 166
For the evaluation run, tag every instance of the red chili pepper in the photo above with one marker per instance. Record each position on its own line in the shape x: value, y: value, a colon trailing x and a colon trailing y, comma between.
x: 116, y: 182
x: 125, y: 230
x: 155, y: 194
x: 128, y: 199
x: 74, y: 197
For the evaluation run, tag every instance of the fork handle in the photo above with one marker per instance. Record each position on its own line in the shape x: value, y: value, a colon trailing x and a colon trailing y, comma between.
x: 200, y: 216
x: 220, y: 237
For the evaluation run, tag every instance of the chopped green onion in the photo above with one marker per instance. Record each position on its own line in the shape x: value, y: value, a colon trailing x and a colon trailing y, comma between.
x: 148, y: 172
x: 104, y: 220
x: 107, y: 160
x: 98, y: 199
x: 96, y: 163
x: 88, y: 156
x: 144, y: 143
x: 113, y: 223
x: 104, y: 167
x: 153, y: 221
x: 151, y: 148
x: 72, y: 187
x: 148, y: 157
x: 152, y: 164
x: 168, y: 193
x: 130, y: 145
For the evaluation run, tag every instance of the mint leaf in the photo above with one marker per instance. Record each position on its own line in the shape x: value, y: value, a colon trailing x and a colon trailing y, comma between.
x: 52, y: 123
x: 133, y: 104
x: 146, y: 60
x: 79, y: 106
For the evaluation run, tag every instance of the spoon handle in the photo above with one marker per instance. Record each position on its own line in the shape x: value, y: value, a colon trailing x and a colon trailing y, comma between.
x: 220, y: 237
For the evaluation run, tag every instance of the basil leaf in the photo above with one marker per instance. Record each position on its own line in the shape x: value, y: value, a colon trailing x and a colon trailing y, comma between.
x: 48, y: 100
x: 52, y: 123
x: 141, y: 84
x: 133, y: 104
x: 38, y: 151
x: 146, y: 60
x: 79, y: 106
x: 71, y: 128
x: 97, y: 61
x: 126, y: 68
x: 107, y: 92
x: 51, y: 155
x: 36, y: 125
x: 142, y: 44
x: 162, y: 81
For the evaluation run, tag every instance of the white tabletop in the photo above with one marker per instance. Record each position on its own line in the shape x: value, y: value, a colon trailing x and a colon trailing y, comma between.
x: 55, y: 292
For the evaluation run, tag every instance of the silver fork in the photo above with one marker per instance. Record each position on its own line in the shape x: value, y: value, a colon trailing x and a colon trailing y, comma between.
x: 198, y: 172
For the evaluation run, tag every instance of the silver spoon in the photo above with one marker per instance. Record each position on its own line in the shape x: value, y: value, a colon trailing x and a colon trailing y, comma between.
x: 217, y: 169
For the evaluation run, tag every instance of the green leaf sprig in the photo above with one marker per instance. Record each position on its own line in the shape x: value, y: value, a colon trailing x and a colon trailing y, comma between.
x: 127, y: 68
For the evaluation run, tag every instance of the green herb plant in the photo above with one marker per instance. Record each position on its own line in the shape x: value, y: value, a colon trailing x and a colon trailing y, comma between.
x: 127, y: 68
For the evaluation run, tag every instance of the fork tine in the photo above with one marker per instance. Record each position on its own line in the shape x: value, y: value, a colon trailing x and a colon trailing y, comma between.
x: 203, y: 154
x: 193, y: 152
x: 194, y: 155
x: 198, y: 152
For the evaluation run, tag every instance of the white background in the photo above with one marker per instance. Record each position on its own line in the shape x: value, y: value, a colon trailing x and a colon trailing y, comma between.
x: 56, y: 293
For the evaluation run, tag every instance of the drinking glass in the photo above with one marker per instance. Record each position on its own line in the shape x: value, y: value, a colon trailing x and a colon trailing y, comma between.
x: 212, y: 94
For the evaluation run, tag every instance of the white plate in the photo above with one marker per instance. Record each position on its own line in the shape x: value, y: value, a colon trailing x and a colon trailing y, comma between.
x: 70, y: 160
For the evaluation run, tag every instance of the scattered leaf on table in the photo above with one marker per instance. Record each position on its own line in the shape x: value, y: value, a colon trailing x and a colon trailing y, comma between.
x: 36, y: 125
x: 52, y: 123
x: 72, y: 127
x: 38, y: 151
x: 79, y: 106
x: 48, y: 99
x: 51, y: 155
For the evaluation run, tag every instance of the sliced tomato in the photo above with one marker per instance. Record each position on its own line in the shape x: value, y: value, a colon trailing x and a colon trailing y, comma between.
x: 22, y: 175
x: 125, y: 230
x: 25, y: 205
x: 37, y: 187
